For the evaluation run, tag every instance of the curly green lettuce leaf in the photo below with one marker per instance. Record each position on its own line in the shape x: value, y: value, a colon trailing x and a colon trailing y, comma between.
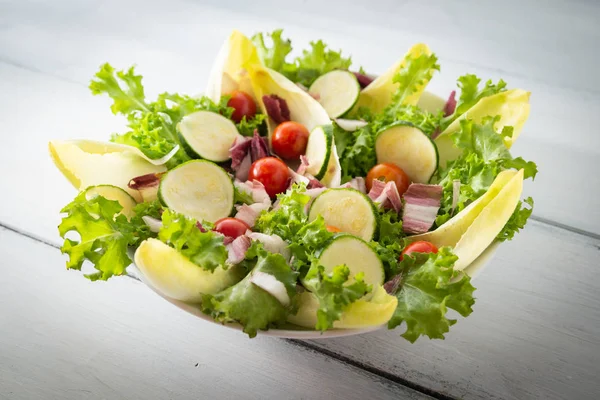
x: 304, y: 69
x: 104, y: 236
x: 517, y: 220
x: 253, y: 307
x: 310, y: 239
x: 205, y: 249
x: 289, y: 217
x: 470, y: 94
x: 359, y: 154
x: 412, y: 78
x: 334, y: 291
x: 147, y: 209
x: 430, y: 286
x: 153, y: 125
x: 484, y: 156
x: 273, y: 57
x: 389, y: 244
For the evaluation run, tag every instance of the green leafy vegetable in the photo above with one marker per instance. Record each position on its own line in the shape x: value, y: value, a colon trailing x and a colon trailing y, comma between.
x: 390, y: 241
x: 429, y: 287
x: 153, y: 125
x: 289, y: 217
x: 105, y: 235
x: 250, y: 305
x: 151, y: 209
x: 470, y: 94
x: 333, y: 292
x: 416, y: 72
x: 307, y: 242
x: 205, y: 249
x: 304, y: 69
x: 484, y: 157
x: 517, y: 220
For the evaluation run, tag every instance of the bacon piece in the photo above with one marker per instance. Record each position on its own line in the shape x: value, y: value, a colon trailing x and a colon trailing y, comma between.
x: 363, y: 80
x: 277, y: 108
x: 450, y: 104
x: 357, y: 183
x: 386, y: 195
x: 421, y: 205
x: 237, y: 249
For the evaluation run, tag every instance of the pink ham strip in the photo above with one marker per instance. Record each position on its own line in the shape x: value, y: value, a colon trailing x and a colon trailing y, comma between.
x: 357, y: 183
x: 421, y: 205
x: 237, y: 249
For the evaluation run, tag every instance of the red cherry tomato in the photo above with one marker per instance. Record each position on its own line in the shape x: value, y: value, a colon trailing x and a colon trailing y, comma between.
x: 333, y: 229
x: 418, y: 247
x: 289, y: 140
x: 388, y: 172
x: 231, y: 227
x: 243, y: 106
x: 272, y: 173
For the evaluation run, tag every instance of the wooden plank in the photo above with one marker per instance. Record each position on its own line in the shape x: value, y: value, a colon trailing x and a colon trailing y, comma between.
x: 64, y: 338
x: 565, y: 93
x: 533, y: 332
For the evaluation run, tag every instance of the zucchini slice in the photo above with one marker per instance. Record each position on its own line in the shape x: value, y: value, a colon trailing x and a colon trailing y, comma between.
x: 198, y: 189
x: 357, y: 255
x: 111, y: 192
x: 318, y: 150
x: 207, y: 135
x: 409, y: 148
x: 348, y: 210
x: 337, y: 91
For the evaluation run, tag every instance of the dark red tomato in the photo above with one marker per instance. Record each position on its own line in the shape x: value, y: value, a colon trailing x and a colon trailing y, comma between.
x: 418, y: 247
x: 272, y: 173
x: 231, y: 227
x: 388, y: 172
x: 243, y: 106
x: 289, y: 140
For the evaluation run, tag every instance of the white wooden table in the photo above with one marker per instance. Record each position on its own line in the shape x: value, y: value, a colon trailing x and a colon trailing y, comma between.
x: 535, y: 331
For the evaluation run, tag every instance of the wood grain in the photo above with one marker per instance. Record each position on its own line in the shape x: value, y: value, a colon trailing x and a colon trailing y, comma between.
x: 64, y: 338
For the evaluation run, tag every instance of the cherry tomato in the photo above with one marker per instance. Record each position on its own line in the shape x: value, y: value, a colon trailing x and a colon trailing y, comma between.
x: 332, y: 229
x: 289, y: 140
x: 418, y: 247
x: 389, y: 172
x: 272, y: 173
x: 243, y: 106
x: 231, y: 227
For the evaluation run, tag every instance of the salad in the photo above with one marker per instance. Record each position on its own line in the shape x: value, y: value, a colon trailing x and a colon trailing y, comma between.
x: 301, y: 190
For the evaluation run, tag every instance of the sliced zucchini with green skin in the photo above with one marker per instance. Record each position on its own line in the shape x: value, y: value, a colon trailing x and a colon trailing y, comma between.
x: 207, y: 135
x: 337, y: 91
x: 111, y: 192
x: 198, y: 189
x: 318, y: 150
x: 348, y: 210
x: 333, y: 174
x: 357, y: 255
x: 409, y: 148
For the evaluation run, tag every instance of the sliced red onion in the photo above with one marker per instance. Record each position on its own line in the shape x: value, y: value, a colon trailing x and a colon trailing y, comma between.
x: 277, y: 108
x: 363, y: 80
x: 391, y: 286
x: 258, y: 147
x: 144, y: 181
x: 421, y: 205
x: 249, y: 213
x: 237, y: 249
x: 350, y: 125
x: 239, y: 151
x: 254, y: 189
x: 271, y: 243
x: 243, y: 169
x: 450, y: 105
x: 271, y: 285
x: 303, y: 165
x: 154, y: 224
